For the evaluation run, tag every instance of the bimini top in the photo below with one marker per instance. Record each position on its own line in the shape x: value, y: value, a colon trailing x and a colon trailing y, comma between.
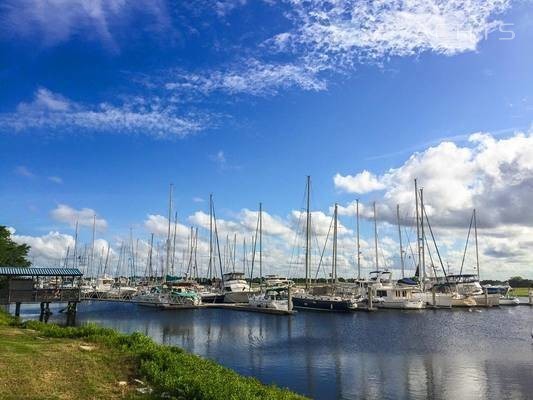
x: 15, y: 271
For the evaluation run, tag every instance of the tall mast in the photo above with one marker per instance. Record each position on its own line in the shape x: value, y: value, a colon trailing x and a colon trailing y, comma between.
x: 418, y: 234
x: 167, y: 264
x: 210, y: 268
x: 234, y: 250
x: 423, y: 237
x: 308, y: 235
x: 334, y: 263
x: 90, y: 265
x: 150, y: 269
x: 75, y: 254
x: 400, y: 237
x: 174, y: 243
x: 358, y: 244
x: 376, y: 236
x: 477, y: 249
x: 260, y: 242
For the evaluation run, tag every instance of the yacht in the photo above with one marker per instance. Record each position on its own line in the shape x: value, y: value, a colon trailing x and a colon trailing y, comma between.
x: 235, y: 288
x: 274, y: 281
x: 323, y: 298
x: 271, y: 299
x: 504, y: 291
x: 168, y: 297
x: 467, y: 291
x: 389, y: 294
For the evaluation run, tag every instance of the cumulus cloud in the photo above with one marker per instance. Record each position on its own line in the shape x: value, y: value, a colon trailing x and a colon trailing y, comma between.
x: 54, y: 112
x: 494, y: 176
x: 363, y: 182
x: 84, y: 217
x: 49, y: 249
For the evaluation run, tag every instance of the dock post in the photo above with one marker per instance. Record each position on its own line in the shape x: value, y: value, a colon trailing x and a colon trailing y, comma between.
x: 530, y: 297
x: 486, y: 292
x: 17, y: 309
x: 47, y: 309
x: 369, y: 295
x: 289, y: 298
x: 434, y: 296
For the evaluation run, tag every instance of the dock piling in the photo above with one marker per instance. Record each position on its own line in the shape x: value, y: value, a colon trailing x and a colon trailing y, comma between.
x: 17, y: 309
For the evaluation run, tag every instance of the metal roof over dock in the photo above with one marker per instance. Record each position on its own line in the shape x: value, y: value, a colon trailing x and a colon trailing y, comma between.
x: 35, y: 271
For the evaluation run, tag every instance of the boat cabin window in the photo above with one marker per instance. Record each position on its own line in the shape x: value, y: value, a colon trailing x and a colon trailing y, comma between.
x: 381, y: 293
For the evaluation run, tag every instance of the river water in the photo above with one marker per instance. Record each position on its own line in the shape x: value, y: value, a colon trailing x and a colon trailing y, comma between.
x: 438, y: 354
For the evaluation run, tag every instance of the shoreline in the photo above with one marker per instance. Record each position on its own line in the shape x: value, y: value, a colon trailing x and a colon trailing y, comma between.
x: 138, y: 365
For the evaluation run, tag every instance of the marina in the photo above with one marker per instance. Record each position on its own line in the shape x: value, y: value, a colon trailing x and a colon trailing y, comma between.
x: 443, y: 354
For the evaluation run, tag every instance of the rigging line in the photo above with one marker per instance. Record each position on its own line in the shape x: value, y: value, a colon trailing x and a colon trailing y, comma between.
x: 466, y: 244
x: 410, y: 248
x: 435, y: 244
x: 323, y: 250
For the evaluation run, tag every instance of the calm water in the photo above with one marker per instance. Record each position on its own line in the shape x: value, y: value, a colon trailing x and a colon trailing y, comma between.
x: 483, y: 354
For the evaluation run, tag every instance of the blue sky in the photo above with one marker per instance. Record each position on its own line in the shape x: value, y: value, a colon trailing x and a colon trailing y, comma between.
x: 102, y: 105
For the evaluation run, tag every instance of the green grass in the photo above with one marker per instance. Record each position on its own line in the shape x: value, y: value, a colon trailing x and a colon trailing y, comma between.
x: 168, y: 370
x: 520, y: 292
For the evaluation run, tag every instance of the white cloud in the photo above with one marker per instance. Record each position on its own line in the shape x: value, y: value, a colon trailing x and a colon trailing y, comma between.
x: 158, y: 225
x: 24, y: 171
x: 85, y: 217
x: 363, y: 182
x: 348, y: 31
x: 54, y: 113
x: 249, y: 76
x: 49, y: 249
x: 55, y: 179
x: 56, y: 21
x: 495, y: 176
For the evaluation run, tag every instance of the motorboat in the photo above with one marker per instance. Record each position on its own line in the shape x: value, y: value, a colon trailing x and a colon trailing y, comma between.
x: 235, y: 288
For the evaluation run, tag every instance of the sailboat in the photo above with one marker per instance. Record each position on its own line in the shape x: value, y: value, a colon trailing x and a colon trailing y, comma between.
x: 273, y: 295
x: 321, y: 298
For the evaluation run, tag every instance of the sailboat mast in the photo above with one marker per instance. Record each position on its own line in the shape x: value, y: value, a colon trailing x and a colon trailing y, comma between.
x: 75, y: 254
x: 167, y: 264
x: 260, y: 242
x: 358, y: 244
x: 376, y: 236
x: 477, y: 249
x: 174, y: 243
x: 418, y: 233
x: 334, y: 263
x: 210, y: 269
x: 150, y: 270
x: 423, y: 237
x: 90, y: 266
x: 400, y: 237
x: 308, y: 234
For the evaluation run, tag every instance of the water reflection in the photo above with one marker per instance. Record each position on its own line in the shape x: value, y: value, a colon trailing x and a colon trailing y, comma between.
x: 384, y: 355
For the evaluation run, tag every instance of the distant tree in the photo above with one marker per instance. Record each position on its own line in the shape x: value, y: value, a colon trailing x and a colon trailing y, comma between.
x: 11, y: 253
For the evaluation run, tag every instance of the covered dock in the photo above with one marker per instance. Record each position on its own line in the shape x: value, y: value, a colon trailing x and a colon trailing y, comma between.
x: 40, y: 285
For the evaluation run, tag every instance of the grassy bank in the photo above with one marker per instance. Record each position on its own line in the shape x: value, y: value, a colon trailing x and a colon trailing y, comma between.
x: 47, y: 361
x: 521, y: 292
